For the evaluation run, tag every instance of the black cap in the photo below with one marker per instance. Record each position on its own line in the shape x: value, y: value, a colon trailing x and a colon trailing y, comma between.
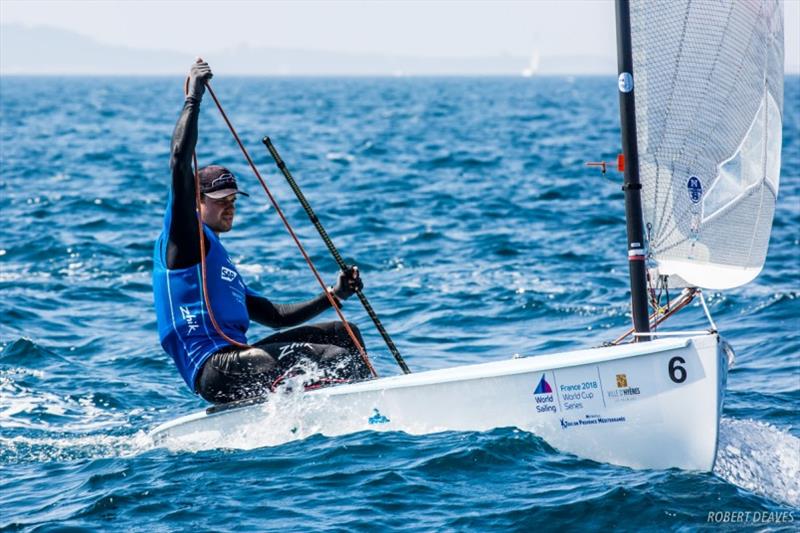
x: 218, y: 182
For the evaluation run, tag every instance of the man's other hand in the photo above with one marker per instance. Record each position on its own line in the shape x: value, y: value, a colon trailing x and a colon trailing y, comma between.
x: 348, y: 283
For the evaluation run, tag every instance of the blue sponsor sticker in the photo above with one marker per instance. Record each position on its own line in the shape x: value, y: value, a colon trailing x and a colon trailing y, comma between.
x: 625, y: 82
x: 695, y: 189
x: 378, y: 418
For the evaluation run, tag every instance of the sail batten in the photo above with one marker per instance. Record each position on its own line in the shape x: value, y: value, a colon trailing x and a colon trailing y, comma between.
x: 709, y: 100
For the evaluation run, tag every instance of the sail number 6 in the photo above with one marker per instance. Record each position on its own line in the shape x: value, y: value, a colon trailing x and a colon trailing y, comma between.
x: 677, y: 373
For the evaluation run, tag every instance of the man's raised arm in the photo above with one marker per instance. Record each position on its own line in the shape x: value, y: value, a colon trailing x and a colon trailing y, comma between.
x: 182, y: 247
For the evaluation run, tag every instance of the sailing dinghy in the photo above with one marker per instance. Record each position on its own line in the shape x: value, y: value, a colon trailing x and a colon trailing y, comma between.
x: 701, y: 158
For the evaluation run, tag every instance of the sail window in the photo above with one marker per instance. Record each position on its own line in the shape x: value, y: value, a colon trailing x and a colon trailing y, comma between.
x: 757, y: 160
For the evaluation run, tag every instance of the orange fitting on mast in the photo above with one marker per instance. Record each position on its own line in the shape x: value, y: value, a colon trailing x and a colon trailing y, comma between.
x: 601, y: 164
x: 620, y: 164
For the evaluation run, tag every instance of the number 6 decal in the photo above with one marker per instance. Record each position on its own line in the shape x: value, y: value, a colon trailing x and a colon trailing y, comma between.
x: 677, y: 373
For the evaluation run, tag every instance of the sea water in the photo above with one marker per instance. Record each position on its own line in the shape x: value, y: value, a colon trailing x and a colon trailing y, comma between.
x: 481, y: 235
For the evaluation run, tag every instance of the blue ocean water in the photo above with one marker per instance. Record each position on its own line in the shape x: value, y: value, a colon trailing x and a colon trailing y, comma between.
x: 480, y: 234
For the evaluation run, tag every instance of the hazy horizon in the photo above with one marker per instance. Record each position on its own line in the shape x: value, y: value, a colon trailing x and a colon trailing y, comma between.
x: 48, y: 50
x: 447, y: 36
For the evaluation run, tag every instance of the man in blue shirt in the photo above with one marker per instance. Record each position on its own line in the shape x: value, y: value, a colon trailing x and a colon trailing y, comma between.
x: 210, y: 349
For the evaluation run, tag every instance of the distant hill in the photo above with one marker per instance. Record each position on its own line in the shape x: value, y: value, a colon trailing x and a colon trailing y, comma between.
x: 44, y: 50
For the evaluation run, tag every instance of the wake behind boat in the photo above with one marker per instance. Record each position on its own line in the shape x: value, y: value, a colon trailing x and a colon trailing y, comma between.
x: 704, y: 134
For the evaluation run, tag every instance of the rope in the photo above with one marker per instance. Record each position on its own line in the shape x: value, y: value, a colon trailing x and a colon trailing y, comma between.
x: 201, y: 235
x: 278, y: 210
x: 658, y: 317
x: 202, y: 239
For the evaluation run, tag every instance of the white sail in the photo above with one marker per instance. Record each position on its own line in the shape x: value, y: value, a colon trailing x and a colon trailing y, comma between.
x: 708, y: 80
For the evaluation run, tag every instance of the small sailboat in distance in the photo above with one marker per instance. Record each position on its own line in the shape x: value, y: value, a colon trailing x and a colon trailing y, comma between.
x: 701, y: 136
x: 533, y: 65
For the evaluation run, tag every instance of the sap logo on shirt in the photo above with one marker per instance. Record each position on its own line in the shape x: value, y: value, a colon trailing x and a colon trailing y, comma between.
x: 227, y: 274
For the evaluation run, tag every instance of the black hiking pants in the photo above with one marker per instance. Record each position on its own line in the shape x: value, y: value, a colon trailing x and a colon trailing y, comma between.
x: 324, y: 351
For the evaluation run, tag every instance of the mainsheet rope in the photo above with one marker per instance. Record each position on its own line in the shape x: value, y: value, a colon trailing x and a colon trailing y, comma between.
x: 202, y: 235
x: 288, y: 226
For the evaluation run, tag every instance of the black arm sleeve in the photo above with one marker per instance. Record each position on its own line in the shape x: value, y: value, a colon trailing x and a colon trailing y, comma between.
x: 183, y: 249
x: 284, y: 315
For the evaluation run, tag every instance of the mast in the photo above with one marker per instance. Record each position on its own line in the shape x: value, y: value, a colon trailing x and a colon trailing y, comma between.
x: 631, y: 185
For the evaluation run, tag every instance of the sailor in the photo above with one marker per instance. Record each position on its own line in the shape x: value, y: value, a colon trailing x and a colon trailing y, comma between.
x: 212, y: 366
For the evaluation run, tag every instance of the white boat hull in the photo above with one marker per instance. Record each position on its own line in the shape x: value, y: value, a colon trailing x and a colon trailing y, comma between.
x: 646, y: 405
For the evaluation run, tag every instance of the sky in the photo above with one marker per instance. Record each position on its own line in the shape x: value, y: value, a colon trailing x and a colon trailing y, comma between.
x: 426, y: 29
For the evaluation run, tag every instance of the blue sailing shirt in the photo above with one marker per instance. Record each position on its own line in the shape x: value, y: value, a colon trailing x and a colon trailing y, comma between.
x: 184, y: 327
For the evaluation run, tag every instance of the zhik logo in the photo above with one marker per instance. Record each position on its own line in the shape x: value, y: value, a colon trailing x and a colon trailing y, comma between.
x: 191, y: 319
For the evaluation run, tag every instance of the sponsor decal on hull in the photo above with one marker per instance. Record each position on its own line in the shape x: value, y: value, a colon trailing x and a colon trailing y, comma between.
x: 623, y: 392
x: 377, y: 418
x: 590, y: 420
x: 544, y: 397
x: 588, y: 389
x: 580, y: 389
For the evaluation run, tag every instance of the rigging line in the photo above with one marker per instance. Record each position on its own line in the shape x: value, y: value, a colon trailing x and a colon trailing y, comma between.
x: 203, y: 271
x: 708, y: 313
x: 202, y: 239
x: 274, y: 202
x: 680, y: 302
x: 334, y: 252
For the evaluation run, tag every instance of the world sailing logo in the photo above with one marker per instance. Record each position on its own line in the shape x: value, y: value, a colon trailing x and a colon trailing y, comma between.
x: 543, y: 387
x: 544, y: 397
x: 695, y: 189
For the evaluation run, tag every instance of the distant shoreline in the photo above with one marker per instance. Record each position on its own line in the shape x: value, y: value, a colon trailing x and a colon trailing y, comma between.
x: 323, y: 76
x: 309, y: 76
x: 46, y: 51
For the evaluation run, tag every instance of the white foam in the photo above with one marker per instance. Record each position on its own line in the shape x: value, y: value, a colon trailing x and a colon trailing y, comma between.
x: 760, y: 458
x: 65, y: 447
x: 22, y: 407
x: 58, y: 427
x: 287, y: 416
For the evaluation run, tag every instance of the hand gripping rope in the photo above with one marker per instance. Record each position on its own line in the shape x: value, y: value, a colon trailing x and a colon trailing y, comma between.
x: 278, y: 210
